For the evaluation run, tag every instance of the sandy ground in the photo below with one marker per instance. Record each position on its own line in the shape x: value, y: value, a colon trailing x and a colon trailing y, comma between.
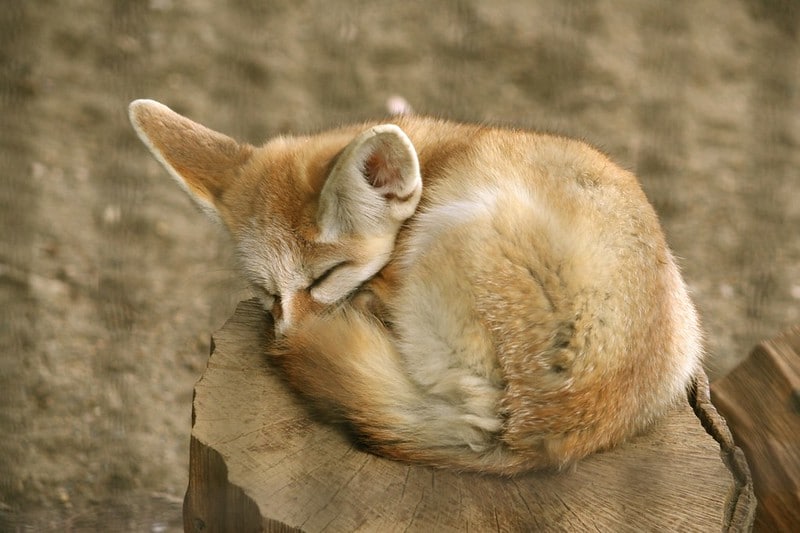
x: 111, y: 282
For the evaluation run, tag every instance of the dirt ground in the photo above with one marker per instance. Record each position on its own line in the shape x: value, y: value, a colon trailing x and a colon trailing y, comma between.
x: 111, y: 282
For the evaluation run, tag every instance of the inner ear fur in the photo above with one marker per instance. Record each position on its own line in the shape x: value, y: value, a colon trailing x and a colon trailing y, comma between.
x: 374, y: 186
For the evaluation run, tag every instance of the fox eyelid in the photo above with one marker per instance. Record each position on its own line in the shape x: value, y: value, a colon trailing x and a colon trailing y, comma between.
x: 319, y: 280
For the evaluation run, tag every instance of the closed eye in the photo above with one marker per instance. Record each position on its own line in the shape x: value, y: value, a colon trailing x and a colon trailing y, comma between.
x: 319, y: 280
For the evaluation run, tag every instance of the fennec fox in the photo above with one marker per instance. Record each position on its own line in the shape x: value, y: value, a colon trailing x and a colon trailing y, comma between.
x: 464, y: 296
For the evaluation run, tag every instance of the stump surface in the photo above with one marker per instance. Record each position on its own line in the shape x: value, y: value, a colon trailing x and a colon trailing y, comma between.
x: 259, y: 463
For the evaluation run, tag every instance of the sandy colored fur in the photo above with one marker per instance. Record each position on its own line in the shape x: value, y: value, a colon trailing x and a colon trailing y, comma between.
x: 524, y: 313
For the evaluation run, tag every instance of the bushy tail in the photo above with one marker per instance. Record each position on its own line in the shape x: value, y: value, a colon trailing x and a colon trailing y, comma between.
x: 346, y: 363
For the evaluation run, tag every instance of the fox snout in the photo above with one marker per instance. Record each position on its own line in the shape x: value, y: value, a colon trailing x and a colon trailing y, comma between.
x: 290, y: 310
x: 276, y: 310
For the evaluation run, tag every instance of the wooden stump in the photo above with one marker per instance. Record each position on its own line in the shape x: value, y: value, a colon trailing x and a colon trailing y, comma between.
x: 259, y: 463
x: 761, y: 400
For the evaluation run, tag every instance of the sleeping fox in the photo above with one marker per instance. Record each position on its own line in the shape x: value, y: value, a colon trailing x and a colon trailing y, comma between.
x: 459, y: 295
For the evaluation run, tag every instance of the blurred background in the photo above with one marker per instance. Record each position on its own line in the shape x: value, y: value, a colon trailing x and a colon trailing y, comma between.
x: 111, y: 282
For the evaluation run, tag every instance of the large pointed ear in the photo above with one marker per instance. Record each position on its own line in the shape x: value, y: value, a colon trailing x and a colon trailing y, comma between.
x: 374, y: 186
x: 201, y: 160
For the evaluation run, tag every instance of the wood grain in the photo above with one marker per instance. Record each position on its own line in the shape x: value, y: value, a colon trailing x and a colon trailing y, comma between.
x: 761, y: 400
x: 260, y: 463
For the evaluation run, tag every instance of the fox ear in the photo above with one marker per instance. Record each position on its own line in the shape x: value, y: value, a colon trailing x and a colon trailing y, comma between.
x: 374, y: 186
x: 202, y: 161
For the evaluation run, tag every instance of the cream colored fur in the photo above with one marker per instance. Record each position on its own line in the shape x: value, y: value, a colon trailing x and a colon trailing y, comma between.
x: 461, y: 296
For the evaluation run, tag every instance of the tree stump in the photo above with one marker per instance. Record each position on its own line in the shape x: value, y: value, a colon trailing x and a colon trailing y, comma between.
x: 258, y: 462
x: 761, y: 400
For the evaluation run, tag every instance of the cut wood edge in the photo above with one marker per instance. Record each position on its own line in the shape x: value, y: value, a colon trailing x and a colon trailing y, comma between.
x: 212, y: 502
x: 220, y: 505
x: 741, y: 506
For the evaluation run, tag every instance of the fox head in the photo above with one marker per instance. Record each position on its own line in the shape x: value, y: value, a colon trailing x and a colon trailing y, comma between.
x: 312, y: 218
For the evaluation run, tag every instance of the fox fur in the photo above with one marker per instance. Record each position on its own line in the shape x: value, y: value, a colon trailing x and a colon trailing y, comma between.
x: 460, y: 295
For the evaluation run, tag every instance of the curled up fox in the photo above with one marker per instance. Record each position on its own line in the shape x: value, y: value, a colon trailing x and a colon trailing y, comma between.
x: 459, y: 295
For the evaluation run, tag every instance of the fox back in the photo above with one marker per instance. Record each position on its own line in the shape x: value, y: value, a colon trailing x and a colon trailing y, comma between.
x: 460, y: 295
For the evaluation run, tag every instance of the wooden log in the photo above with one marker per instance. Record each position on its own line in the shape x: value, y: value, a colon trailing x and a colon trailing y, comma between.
x: 761, y: 400
x: 259, y: 463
